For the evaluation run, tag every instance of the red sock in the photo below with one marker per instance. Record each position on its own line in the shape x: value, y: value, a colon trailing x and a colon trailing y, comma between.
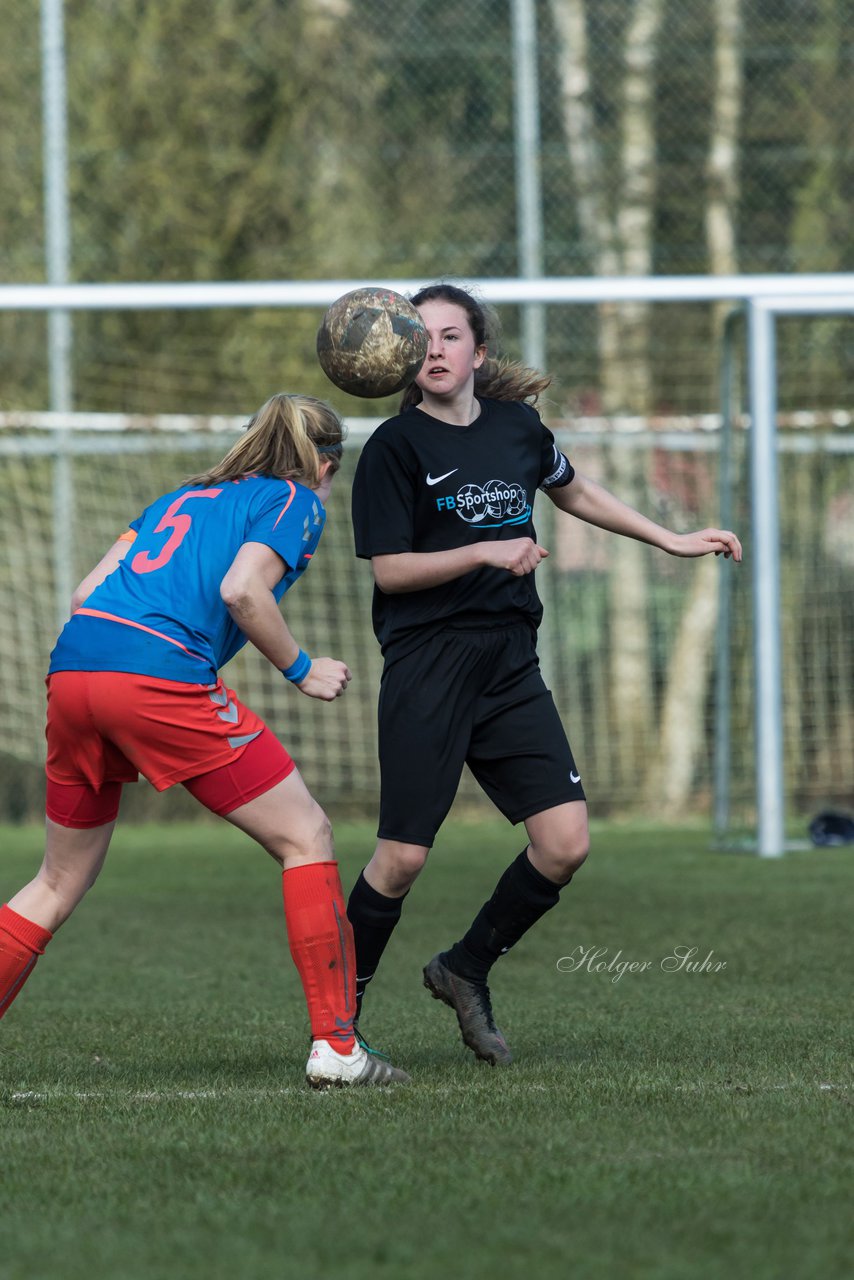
x: 321, y: 942
x: 21, y: 944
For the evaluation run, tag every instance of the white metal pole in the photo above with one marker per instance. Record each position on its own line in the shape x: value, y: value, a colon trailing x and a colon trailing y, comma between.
x: 529, y: 199
x: 765, y: 556
x: 57, y: 256
x: 828, y: 289
x: 529, y: 237
x: 723, y: 641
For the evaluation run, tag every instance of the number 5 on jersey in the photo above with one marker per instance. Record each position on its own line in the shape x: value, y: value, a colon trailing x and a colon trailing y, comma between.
x: 179, y: 523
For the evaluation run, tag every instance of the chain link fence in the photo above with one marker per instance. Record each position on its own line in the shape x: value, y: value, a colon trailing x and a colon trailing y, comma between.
x: 233, y: 142
x: 259, y: 139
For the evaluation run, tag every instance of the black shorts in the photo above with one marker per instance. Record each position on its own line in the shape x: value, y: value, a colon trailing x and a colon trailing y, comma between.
x: 475, y: 698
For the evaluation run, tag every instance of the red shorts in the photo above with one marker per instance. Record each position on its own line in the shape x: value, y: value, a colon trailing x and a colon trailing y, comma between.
x: 104, y: 728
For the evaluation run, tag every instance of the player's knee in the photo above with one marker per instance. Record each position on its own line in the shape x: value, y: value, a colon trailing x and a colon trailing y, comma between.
x: 305, y: 838
x: 411, y: 864
x: 395, y: 867
x: 576, y: 852
x: 322, y: 840
x: 562, y: 855
x: 59, y: 893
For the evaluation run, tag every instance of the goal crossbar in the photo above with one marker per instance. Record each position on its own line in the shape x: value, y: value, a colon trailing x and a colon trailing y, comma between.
x: 320, y: 293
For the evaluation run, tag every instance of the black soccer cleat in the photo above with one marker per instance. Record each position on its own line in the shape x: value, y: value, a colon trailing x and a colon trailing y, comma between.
x: 470, y: 1002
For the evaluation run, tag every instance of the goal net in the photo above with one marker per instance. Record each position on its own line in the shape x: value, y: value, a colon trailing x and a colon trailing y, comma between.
x: 631, y: 637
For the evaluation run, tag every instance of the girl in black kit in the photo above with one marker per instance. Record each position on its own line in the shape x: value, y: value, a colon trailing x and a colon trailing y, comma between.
x: 442, y: 506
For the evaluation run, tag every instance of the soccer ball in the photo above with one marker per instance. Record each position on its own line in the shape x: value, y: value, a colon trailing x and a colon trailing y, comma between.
x: 372, y: 342
x: 517, y: 502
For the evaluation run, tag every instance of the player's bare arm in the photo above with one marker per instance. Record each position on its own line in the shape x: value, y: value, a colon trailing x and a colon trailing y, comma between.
x: 102, y: 570
x: 589, y: 501
x: 417, y: 570
x: 247, y: 592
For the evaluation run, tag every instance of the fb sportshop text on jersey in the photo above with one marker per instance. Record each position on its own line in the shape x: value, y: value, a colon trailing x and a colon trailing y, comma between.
x: 503, y: 503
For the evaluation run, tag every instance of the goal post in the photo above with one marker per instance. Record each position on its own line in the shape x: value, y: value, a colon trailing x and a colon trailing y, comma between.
x: 762, y: 316
x: 762, y: 299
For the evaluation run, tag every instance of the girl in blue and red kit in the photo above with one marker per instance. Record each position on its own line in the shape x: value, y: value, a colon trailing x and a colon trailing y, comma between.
x: 133, y: 687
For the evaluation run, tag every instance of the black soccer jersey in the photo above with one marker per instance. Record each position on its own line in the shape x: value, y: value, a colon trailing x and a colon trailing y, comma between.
x: 426, y: 485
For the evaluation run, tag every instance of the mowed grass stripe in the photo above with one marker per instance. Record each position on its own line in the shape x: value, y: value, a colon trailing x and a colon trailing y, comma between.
x: 661, y: 1125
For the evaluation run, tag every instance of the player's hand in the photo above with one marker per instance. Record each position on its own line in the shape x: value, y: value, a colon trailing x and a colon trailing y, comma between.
x: 722, y: 541
x: 327, y: 679
x: 518, y: 555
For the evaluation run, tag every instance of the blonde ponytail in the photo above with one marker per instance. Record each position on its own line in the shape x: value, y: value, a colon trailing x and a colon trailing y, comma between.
x: 289, y: 437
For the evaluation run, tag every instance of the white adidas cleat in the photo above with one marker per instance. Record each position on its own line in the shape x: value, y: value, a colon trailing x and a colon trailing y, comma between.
x: 327, y: 1068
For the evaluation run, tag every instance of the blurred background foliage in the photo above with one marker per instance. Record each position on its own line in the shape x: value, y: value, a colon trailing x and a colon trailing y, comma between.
x: 377, y: 139
x: 306, y: 139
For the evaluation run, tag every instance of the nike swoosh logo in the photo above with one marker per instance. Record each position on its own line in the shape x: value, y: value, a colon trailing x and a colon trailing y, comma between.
x: 574, y: 777
x: 436, y: 479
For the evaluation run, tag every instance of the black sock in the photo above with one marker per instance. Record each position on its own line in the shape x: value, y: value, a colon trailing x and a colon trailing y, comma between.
x: 521, y: 897
x: 373, y: 917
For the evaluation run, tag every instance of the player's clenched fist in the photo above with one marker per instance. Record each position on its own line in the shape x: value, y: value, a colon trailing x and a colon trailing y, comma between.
x: 327, y: 679
x: 518, y: 556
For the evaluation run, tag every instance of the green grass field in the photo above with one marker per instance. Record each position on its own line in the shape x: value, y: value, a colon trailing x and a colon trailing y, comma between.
x: 666, y: 1125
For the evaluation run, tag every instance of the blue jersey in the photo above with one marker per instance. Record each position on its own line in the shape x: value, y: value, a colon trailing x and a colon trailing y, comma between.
x: 160, y: 612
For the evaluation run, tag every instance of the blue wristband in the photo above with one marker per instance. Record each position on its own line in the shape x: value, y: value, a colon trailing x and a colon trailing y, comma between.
x: 299, y: 669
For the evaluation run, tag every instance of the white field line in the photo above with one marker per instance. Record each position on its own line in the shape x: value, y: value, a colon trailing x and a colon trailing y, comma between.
x: 208, y: 1095
x: 738, y: 1087
x: 221, y: 1095
x: 159, y: 1095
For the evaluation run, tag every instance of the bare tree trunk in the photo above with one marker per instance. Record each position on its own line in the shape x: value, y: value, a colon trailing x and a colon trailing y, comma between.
x: 722, y: 164
x: 597, y: 227
x: 327, y: 11
x: 635, y: 210
x: 619, y: 235
x: 627, y: 385
x: 682, y: 737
